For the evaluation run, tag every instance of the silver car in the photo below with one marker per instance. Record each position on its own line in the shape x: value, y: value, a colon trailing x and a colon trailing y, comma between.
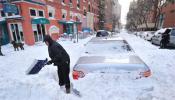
x: 158, y: 37
x: 109, y: 55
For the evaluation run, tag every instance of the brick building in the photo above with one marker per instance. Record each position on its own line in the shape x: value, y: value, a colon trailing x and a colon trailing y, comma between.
x: 167, y: 18
x: 29, y: 20
x: 112, y: 8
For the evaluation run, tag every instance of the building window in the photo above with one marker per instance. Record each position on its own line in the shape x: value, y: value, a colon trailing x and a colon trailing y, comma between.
x: 51, y: 11
x: 78, y: 3
x: 32, y: 12
x: 89, y: 8
x: 2, y: 13
x: 41, y: 13
x: 50, y: 14
x: 84, y: 12
x: 63, y: 1
x: 64, y: 16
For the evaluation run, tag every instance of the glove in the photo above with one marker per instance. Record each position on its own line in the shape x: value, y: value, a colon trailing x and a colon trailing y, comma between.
x: 49, y: 62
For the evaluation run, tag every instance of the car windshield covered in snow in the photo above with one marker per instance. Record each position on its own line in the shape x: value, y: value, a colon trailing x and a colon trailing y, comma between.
x: 107, y: 47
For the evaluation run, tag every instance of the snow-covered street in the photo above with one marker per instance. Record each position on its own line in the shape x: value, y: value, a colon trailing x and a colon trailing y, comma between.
x: 16, y: 85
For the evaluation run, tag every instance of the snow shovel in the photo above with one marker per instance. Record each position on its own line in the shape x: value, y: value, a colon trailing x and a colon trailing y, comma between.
x: 36, y: 66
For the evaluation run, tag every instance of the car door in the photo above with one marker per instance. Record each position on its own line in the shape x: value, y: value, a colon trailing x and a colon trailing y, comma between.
x: 172, y: 37
x: 158, y: 39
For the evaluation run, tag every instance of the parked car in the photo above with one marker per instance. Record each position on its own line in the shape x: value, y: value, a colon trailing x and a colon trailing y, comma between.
x: 158, y: 36
x: 142, y: 34
x: 148, y: 35
x: 102, y: 33
x: 111, y: 55
x: 139, y: 34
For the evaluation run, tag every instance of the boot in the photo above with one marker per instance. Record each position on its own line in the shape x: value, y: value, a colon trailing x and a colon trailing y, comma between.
x: 67, y: 90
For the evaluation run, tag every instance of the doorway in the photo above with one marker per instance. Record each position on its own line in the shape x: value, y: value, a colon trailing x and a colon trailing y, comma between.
x: 39, y: 32
x: 17, y: 32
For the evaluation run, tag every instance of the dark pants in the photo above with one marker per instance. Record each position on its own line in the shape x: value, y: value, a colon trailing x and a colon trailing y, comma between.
x: 163, y: 44
x: 63, y: 74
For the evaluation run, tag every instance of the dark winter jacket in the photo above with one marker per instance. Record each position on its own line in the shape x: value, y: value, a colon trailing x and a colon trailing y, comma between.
x: 57, y: 53
x: 166, y: 36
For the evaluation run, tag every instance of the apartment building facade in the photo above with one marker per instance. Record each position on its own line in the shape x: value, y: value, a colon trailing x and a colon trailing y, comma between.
x: 30, y: 20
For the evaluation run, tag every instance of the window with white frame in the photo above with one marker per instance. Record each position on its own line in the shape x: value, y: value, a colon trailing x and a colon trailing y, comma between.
x: 40, y: 13
x: 78, y: 3
x: 51, y: 11
x: 64, y: 13
x: 33, y: 12
x: 63, y: 1
x: 71, y: 15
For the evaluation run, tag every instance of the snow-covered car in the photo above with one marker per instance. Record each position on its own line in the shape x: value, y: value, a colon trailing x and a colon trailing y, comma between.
x: 109, y: 33
x: 139, y: 34
x: 148, y: 35
x: 109, y: 55
x: 158, y: 36
x: 102, y: 33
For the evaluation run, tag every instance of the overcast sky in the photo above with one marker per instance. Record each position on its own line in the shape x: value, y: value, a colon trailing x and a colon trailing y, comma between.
x: 125, y: 8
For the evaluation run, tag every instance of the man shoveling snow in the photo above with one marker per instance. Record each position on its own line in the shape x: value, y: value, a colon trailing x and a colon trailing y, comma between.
x: 61, y: 59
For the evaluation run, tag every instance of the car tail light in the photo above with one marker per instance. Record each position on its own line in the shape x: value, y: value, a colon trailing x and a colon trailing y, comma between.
x: 77, y: 74
x: 146, y: 73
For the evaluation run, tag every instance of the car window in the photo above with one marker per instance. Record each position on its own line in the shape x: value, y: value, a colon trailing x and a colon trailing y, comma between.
x: 173, y: 32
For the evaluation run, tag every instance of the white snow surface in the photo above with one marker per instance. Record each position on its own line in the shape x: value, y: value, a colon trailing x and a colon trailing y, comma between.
x: 16, y: 85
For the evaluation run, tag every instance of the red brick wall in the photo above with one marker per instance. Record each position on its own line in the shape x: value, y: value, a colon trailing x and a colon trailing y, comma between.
x: 54, y: 22
x: 169, y: 11
x: 26, y: 23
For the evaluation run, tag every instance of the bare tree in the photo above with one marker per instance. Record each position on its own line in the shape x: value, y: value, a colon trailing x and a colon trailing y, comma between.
x: 101, y: 17
x: 157, y: 7
x: 115, y: 21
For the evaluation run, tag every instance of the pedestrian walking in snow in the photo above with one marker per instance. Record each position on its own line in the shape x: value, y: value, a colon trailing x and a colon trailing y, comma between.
x: 165, y: 39
x: 60, y: 58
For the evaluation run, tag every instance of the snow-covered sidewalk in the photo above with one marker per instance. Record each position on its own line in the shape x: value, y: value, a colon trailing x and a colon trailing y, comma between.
x: 16, y: 85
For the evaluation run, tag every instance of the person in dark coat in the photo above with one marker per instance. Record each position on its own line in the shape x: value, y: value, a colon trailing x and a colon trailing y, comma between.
x: 61, y: 59
x: 165, y: 38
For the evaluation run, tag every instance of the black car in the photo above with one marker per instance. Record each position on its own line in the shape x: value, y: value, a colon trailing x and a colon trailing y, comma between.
x: 102, y: 33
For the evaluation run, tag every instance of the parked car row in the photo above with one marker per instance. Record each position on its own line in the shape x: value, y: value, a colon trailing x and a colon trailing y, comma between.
x: 156, y: 37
